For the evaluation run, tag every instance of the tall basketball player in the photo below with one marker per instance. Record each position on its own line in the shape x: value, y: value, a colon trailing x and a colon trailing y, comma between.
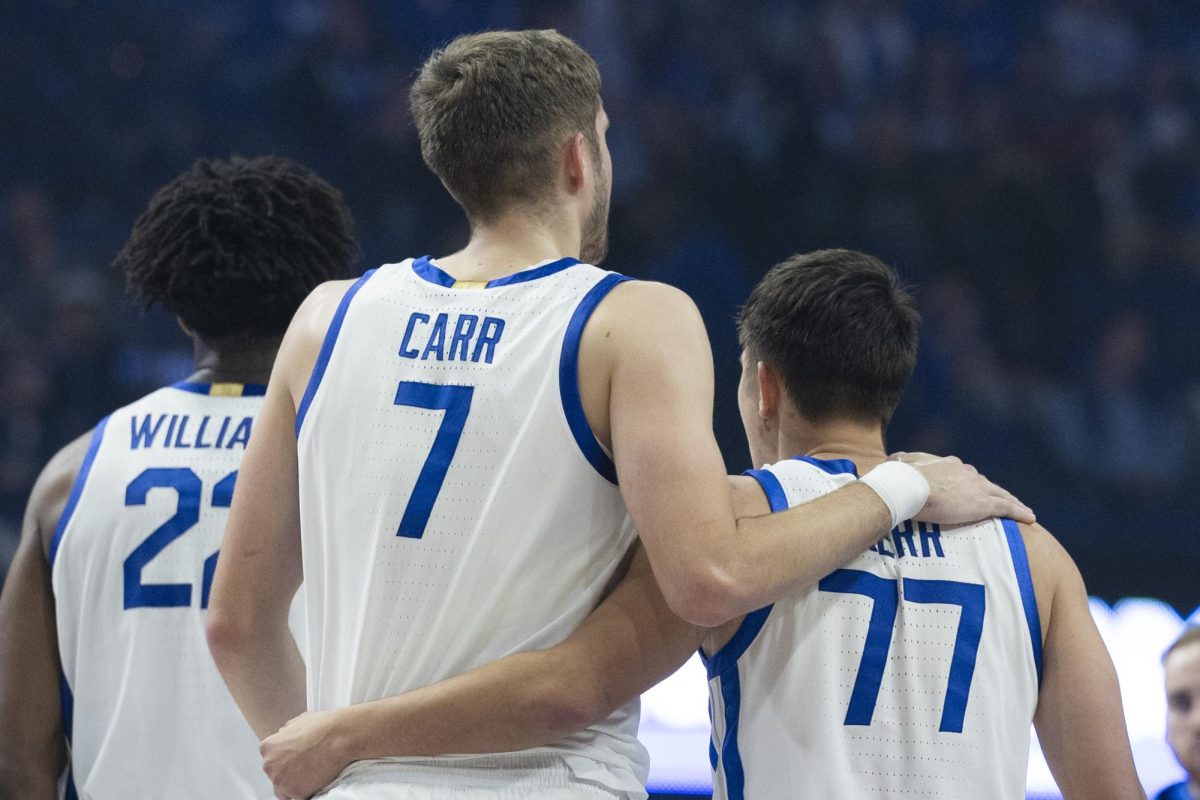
x: 440, y: 445
x: 121, y: 536
x: 912, y: 670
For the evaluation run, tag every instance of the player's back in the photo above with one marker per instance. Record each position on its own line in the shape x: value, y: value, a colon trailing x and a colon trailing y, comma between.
x: 455, y: 505
x: 911, y: 672
x: 145, y: 709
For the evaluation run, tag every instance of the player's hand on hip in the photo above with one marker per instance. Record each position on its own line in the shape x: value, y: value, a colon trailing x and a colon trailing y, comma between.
x: 959, y: 494
x: 301, y: 758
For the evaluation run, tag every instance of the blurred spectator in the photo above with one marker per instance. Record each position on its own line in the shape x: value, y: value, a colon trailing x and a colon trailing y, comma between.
x: 1181, y: 670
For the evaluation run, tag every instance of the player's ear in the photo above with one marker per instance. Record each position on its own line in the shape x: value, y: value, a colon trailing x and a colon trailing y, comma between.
x: 768, y: 391
x: 575, y: 162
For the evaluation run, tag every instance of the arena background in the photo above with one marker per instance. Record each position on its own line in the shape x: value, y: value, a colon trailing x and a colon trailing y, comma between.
x: 1030, y: 167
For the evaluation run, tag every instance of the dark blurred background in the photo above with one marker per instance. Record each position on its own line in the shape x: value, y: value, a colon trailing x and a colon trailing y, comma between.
x: 1031, y: 168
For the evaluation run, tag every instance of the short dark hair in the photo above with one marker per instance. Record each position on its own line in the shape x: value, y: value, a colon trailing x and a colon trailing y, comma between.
x: 840, y: 330
x: 1190, y: 635
x: 490, y: 108
x: 232, y: 247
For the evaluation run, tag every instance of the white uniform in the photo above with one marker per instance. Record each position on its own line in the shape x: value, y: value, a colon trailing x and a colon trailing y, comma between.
x: 455, y: 506
x: 132, y: 560
x: 911, y: 672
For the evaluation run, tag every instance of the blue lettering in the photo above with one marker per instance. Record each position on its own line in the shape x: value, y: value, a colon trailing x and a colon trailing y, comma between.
x: 170, y: 430
x: 882, y: 549
x: 241, y: 434
x: 489, y: 336
x: 464, y: 329
x: 179, y: 442
x: 405, y: 350
x: 437, y: 339
x: 931, y: 533
x: 143, y: 435
x: 221, y: 433
x: 200, y: 443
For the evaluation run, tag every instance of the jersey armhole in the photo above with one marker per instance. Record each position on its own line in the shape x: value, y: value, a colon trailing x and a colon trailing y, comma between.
x: 727, y: 657
x: 568, y: 379
x: 326, y: 352
x: 76, y: 490
x: 1020, y: 561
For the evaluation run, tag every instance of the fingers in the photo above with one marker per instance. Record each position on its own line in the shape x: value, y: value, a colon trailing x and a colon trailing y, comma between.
x: 1013, y: 509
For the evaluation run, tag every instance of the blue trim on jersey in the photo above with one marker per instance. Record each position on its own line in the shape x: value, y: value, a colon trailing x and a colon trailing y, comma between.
x: 67, y: 710
x: 534, y: 273
x: 248, y: 389
x: 335, y: 327
x: 834, y: 466
x: 1176, y: 791
x: 1020, y: 559
x: 568, y: 378
x: 731, y: 757
x: 724, y: 661
x: 771, y: 487
x: 426, y: 269
x: 77, y: 489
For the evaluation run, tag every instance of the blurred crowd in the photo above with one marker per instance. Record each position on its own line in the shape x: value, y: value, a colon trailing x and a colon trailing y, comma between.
x: 1029, y: 166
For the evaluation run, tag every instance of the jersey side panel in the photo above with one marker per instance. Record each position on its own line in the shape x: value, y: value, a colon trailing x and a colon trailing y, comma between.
x: 449, y: 515
x: 909, y: 672
x: 151, y: 714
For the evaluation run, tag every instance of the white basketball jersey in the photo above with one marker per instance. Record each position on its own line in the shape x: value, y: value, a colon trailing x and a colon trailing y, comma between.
x: 455, y: 505
x: 911, y: 672
x: 132, y: 560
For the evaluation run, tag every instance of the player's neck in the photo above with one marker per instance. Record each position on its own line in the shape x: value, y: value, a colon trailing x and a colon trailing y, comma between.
x: 250, y: 362
x: 855, y: 441
x: 511, y: 243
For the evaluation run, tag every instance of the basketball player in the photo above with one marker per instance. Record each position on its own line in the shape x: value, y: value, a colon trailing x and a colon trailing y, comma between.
x: 121, y: 535
x: 913, y: 670
x: 1181, y: 670
x: 440, y: 444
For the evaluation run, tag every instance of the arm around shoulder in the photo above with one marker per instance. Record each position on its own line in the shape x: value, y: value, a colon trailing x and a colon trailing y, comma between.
x: 1079, y: 719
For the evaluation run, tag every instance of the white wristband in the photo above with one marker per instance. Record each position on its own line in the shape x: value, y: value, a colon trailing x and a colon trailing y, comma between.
x: 901, y: 487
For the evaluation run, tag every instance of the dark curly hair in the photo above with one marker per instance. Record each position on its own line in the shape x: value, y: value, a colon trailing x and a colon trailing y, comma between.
x: 232, y: 247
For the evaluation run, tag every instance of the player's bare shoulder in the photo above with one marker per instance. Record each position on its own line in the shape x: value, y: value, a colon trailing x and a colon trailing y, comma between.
x: 306, y: 333
x: 1052, y: 568
x: 50, y: 493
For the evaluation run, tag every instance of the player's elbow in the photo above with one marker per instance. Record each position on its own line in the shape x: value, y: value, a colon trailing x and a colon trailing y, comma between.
x: 229, y: 636
x: 706, y: 595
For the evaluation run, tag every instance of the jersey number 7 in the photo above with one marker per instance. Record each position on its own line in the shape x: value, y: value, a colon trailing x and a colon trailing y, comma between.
x: 883, y: 592
x: 456, y: 402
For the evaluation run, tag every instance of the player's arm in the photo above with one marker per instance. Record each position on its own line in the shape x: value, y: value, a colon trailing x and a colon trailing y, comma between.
x: 260, y: 566
x: 629, y: 643
x: 650, y: 340
x: 33, y: 749
x: 1079, y: 718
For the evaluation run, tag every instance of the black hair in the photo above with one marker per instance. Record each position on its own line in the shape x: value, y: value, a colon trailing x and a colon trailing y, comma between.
x: 839, y: 329
x: 232, y: 247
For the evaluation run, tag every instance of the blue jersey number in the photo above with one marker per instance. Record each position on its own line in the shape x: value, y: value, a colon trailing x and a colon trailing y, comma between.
x: 456, y: 402
x: 188, y: 490
x: 882, y: 591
